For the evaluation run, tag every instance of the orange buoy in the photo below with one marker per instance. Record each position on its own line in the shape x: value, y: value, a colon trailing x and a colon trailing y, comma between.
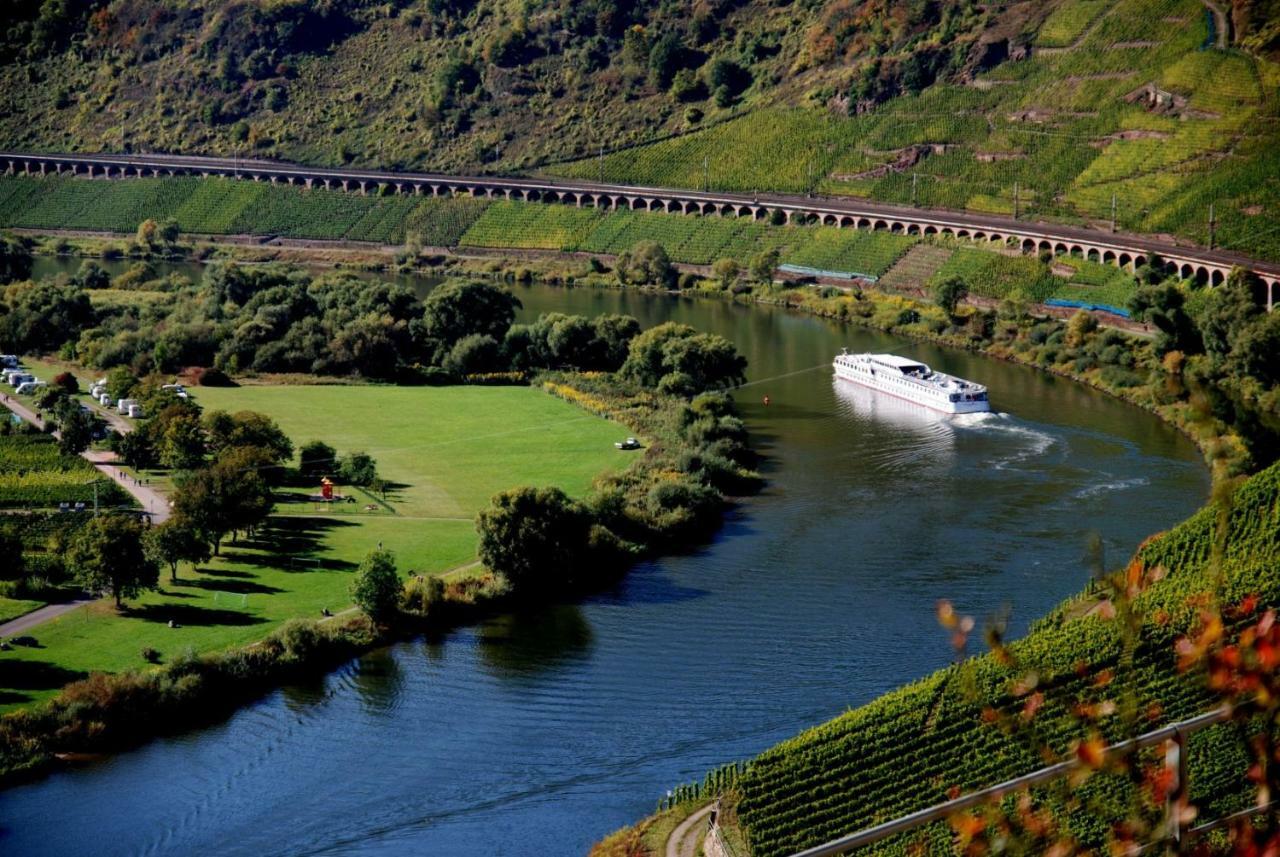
x: 766, y: 400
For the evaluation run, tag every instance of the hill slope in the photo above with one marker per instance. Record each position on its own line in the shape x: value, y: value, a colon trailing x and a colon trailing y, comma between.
x: 948, y: 103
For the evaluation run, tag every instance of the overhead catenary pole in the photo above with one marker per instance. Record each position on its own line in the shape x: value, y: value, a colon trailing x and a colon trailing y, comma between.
x: 1113, y: 212
x: 914, y: 176
x: 1015, y: 200
x: 706, y: 174
x: 1213, y: 227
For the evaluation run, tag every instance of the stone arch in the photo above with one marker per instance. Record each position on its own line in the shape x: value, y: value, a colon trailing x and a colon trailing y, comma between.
x: 1217, y: 278
x: 979, y: 236
x: 880, y: 225
x: 1202, y: 274
x: 1060, y: 249
x: 1028, y: 245
x: 829, y: 220
x: 1125, y: 260
x: 848, y: 221
x: 1093, y: 255
x: 1185, y: 271
x: 1076, y: 251
x: 995, y: 237
x: 931, y: 230
x: 962, y: 233
x: 864, y: 223
x: 1139, y: 260
x: 913, y: 229
x: 896, y: 228
x: 1108, y: 257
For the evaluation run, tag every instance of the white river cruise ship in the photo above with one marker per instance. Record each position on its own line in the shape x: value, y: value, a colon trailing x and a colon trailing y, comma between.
x: 913, y: 381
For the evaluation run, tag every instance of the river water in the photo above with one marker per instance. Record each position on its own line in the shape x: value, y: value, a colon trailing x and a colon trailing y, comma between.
x: 537, y: 733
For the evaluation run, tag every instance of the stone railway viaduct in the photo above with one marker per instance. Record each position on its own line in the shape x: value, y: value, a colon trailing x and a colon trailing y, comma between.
x: 1122, y: 249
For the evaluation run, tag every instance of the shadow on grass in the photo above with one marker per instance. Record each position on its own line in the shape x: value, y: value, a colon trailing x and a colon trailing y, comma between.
x: 289, y: 544
x: 34, y: 675
x: 186, y: 614
x: 239, y: 587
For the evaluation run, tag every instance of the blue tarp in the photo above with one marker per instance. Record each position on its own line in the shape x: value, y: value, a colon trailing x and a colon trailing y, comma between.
x: 1082, y: 305
x: 818, y: 272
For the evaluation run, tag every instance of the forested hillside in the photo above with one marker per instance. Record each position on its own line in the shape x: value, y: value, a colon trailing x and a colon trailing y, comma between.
x: 1050, y: 108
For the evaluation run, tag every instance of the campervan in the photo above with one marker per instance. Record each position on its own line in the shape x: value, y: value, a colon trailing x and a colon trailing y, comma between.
x: 135, y: 411
x: 9, y: 361
x: 27, y: 388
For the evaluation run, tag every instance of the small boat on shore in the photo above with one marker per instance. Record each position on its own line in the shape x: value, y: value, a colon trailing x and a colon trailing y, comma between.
x: 913, y: 381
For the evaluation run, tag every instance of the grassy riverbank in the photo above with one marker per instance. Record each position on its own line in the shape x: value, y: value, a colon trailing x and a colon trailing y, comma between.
x: 445, y: 451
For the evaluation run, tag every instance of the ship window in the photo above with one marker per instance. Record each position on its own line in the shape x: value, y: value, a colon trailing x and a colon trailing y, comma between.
x: 955, y: 397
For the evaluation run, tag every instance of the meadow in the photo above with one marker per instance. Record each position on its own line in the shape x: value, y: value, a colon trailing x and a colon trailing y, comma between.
x: 445, y: 450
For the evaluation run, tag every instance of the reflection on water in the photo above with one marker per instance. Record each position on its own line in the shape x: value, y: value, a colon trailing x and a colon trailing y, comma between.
x: 538, y: 733
x: 529, y: 642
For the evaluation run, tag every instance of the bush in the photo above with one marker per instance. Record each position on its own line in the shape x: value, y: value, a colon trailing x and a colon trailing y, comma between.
x: 150, y: 655
x: 358, y: 468
x: 376, y: 589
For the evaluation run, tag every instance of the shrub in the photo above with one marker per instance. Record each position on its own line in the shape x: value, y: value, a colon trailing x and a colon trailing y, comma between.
x: 376, y: 589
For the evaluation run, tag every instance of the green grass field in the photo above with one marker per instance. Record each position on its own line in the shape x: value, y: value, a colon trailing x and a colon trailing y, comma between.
x: 447, y: 449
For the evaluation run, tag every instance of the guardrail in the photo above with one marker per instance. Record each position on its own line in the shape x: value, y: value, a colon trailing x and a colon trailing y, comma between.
x: 1178, y: 832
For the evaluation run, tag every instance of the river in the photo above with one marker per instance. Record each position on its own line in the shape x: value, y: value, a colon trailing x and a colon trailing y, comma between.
x: 537, y: 733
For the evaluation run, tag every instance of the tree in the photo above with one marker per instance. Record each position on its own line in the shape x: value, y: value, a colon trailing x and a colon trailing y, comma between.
x: 763, y: 265
x: 1079, y: 327
x: 42, y: 316
x: 15, y: 259
x: 949, y: 293
x: 67, y: 383
x: 170, y: 231
x: 377, y: 589
x: 108, y: 554
x: 534, y: 537
x: 726, y: 271
x: 176, y: 540
x: 148, y: 232
x: 225, y: 431
x: 474, y: 353
x: 679, y: 360
x: 91, y: 275
x: 121, y: 382
x: 134, y: 448
x: 1164, y: 307
x: 665, y: 59
x: 316, y: 459
x: 459, y: 309
x: 15, y: 563
x: 358, y: 468
x: 228, y: 495
x: 75, y: 430
x: 182, y: 444
x: 645, y: 264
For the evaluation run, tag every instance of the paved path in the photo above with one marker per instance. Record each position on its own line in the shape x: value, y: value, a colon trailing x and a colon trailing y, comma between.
x: 148, y: 498
x: 38, y: 617
x: 685, y: 839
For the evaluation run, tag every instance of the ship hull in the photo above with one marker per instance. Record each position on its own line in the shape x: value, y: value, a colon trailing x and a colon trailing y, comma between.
x: 940, y: 406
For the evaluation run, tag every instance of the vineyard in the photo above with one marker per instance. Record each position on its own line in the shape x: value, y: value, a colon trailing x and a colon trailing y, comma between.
x: 217, y: 206
x: 1063, y: 134
x: 34, y: 474
x: 848, y: 774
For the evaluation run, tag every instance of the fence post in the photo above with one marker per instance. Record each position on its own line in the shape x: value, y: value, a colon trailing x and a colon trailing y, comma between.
x: 1175, y: 760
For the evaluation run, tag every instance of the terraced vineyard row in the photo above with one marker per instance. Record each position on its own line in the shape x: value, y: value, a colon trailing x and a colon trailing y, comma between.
x: 907, y: 749
x: 225, y: 206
